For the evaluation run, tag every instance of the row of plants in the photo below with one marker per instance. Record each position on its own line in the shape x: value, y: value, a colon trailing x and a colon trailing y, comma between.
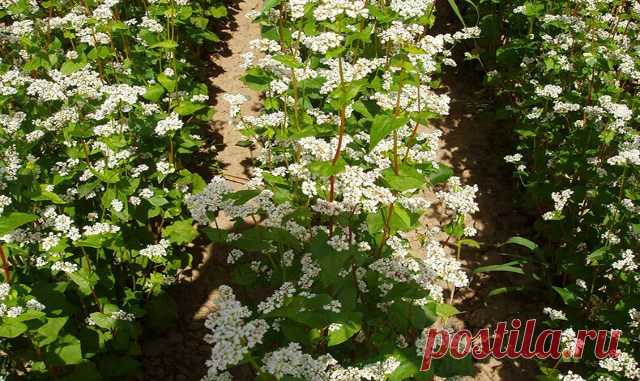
x: 567, y: 75
x: 100, y: 106
x: 333, y: 273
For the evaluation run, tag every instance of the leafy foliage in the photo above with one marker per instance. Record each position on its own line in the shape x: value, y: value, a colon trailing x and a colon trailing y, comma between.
x: 568, y: 81
x: 93, y: 171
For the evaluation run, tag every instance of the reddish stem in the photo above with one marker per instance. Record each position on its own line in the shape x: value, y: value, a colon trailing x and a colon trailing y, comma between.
x: 5, y: 265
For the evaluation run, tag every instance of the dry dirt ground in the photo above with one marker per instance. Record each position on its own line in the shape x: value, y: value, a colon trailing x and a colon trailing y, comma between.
x: 473, y: 144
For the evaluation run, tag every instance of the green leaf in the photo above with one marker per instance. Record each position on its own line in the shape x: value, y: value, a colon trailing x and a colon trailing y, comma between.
x: 568, y: 297
x: 85, y: 280
x: 504, y: 290
x: 364, y: 35
x: 288, y: 61
x: 504, y: 268
x: 45, y: 195
x: 14, y: 220
x: 406, y: 179
x: 188, y: 108
x: 450, y: 367
x: 341, y: 332
x: 456, y: 10
x: 242, y: 196
x: 409, y: 366
x: 48, y: 333
x: 597, y: 255
x: 326, y: 168
x: 102, y: 320
x: 255, y: 79
x: 71, y: 67
x: 218, y: 12
x: 269, y: 4
x: 362, y: 108
x: 471, y: 243
x: 180, y: 232
x: 168, y: 83
x: 158, y: 201
x: 343, y: 95
x: 215, y: 235
x: 70, y: 354
x: 532, y: 9
x: 508, y: 267
x: 522, y: 242
x: 446, y: 310
x: 400, y: 219
x: 154, y: 92
x: 11, y: 328
x: 199, y: 22
x: 442, y: 174
x: 207, y: 35
x: 383, y: 125
x: 166, y: 44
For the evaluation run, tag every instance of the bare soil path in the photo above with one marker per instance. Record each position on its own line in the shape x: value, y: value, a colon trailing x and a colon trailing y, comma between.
x: 474, y: 145
x: 180, y: 354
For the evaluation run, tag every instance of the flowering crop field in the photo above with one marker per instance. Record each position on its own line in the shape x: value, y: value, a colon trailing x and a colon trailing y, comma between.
x: 352, y: 233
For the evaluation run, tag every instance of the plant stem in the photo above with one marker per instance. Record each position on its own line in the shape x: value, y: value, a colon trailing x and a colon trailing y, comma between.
x: 5, y: 266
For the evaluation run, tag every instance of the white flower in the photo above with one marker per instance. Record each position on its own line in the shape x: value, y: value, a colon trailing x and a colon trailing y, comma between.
x: 157, y: 250
x: 170, y: 123
x: 4, y: 290
x: 63, y: 266
x: 571, y: 377
x: 627, y: 263
x: 513, y: 159
x: 234, y: 255
x: 333, y: 306
x: 122, y: 315
x: 117, y: 205
x: 151, y: 24
x: 411, y: 8
x: 624, y: 364
x: 34, y: 304
x: 230, y: 335
x: 322, y: 42
x: 146, y: 193
x: 164, y: 167
x: 169, y: 72
x: 551, y: 91
x: 331, y: 9
x: 276, y: 300
x: 209, y: 200
x: 560, y: 199
x: 291, y: 361
x: 554, y: 314
x: 4, y: 202
x: 15, y: 311
x: 460, y: 199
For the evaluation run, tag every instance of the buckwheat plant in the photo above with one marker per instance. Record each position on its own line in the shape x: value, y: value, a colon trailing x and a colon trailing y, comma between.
x: 327, y: 229
x: 98, y: 118
x: 570, y: 73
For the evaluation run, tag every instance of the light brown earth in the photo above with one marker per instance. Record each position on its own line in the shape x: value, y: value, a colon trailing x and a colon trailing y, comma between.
x: 473, y: 144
